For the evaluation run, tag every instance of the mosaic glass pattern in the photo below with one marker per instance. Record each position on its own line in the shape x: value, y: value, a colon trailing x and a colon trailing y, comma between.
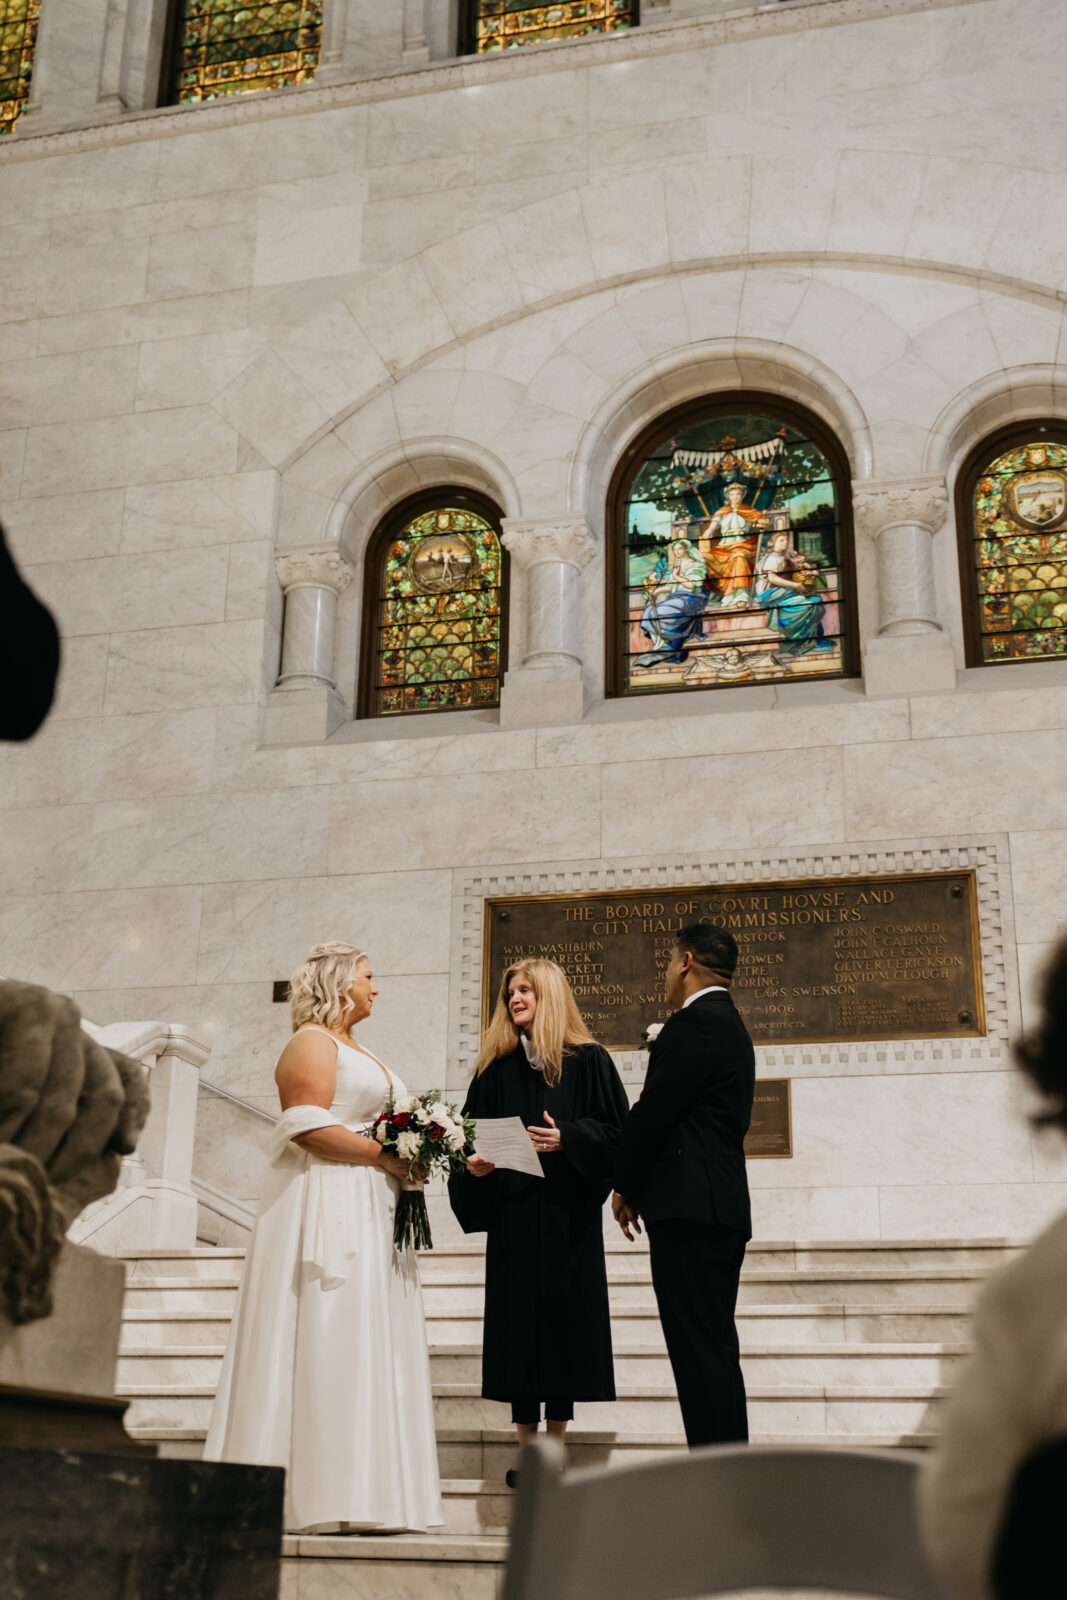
x: 1020, y: 553
x: 18, y: 37
x: 503, y: 24
x: 439, y: 618
x: 731, y: 564
x: 224, y: 47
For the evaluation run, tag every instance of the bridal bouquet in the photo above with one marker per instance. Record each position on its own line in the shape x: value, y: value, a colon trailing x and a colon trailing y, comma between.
x: 434, y: 1137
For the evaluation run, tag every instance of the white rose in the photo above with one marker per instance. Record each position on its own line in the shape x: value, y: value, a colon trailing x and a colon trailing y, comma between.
x: 407, y: 1104
x: 424, y: 1116
x: 455, y: 1140
x: 653, y: 1031
x: 379, y: 1133
x: 407, y: 1145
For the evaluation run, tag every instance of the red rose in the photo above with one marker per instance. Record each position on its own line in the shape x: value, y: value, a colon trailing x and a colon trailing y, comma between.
x: 401, y: 1121
x: 436, y: 1131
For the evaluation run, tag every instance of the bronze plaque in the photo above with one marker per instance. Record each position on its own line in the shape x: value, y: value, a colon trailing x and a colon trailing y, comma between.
x: 770, y: 1133
x: 820, y: 961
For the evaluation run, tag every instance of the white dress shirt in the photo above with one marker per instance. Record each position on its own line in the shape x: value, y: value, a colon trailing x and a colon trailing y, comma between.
x: 712, y: 988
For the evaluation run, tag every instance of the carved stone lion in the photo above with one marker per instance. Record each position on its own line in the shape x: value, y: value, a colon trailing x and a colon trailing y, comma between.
x: 70, y: 1109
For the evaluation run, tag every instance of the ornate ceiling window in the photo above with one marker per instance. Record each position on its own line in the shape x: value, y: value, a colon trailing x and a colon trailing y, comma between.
x: 504, y: 24
x: 220, y: 47
x: 730, y: 560
x: 434, y: 613
x: 18, y: 39
x: 1011, y: 513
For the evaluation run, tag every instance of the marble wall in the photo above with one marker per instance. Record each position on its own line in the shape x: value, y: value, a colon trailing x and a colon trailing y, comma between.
x: 248, y: 328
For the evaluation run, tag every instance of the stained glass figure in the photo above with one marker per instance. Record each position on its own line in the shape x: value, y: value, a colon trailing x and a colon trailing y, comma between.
x: 226, y: 47
x: 731, y: 559
x: 504, y: 24
x: 439, y: 615
x: 18, y: 39
x: 1019, y: 536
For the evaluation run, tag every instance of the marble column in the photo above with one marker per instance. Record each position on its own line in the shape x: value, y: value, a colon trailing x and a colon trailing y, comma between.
x: 304, y: 705
x: 550, y: 552
x: 911, y: 651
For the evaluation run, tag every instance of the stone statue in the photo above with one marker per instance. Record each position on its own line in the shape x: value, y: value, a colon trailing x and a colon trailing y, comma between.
x: 70, y: 1109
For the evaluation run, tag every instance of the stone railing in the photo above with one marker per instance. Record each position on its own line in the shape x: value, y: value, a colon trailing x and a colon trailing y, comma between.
x: 154, y: 1205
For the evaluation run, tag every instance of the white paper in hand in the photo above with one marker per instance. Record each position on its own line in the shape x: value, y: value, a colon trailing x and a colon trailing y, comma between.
x: 505, y: 1142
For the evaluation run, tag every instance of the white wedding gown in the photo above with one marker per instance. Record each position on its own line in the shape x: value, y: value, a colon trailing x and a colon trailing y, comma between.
x: 327, y: 1369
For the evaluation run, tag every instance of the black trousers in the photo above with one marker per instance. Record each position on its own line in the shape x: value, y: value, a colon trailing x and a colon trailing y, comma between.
x: 695, y: 1272
x: 528, y: 1412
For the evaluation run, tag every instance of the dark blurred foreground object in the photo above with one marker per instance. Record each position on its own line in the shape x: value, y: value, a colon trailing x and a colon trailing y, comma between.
x: 98, y: 1527
x: 721, y: 1519
x: 1002, y: 1427
x: 1028, y: 1563
x: 86, y: 1510
x: 29, y: 653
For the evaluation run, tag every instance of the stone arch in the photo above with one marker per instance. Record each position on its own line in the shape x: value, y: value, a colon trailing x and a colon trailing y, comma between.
x: 1014, y: 395
x: 703, y: 369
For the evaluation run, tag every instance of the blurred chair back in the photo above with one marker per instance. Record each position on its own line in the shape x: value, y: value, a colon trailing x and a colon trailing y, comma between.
x: 727, y: 1518
x: 1028, y: 1563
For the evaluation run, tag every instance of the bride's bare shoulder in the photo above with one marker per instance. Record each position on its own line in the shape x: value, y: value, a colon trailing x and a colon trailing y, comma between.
x: 310, y: 1050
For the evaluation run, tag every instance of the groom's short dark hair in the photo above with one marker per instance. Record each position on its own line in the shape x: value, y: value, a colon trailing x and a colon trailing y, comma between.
x: 710, y: 947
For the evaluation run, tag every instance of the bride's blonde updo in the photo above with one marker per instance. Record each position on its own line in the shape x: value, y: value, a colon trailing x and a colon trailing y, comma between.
x: 318, y: 990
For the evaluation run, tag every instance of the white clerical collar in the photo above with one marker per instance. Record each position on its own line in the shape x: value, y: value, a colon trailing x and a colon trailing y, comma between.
x: 712, y: 988
x: 531, y: 1055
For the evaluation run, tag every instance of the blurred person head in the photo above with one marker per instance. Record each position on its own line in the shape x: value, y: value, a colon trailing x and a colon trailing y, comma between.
x: 1042, y: 1054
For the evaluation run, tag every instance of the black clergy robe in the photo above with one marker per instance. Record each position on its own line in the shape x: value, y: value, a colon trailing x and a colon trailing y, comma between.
x: 547, y: 1328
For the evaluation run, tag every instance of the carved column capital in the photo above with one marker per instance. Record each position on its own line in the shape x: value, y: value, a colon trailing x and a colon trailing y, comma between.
x: 888, y: 502
x: 313, y: 569
x: 530, y: 540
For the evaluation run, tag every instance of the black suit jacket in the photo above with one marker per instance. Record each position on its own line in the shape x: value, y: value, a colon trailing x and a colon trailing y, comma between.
x: 682, y: 1149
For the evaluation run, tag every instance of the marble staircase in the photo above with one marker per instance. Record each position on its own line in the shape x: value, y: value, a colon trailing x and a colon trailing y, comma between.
x: 849, y: 1343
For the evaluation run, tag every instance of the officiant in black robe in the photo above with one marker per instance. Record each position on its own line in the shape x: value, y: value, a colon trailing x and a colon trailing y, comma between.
x: 547, y: 1335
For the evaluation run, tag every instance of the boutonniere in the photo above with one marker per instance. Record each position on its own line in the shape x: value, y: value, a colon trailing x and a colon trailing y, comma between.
x: 651, y: 1034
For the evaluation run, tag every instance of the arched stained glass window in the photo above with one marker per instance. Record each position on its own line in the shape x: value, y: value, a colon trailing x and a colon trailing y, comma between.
x: 434, y: 608
x: 18, y: 38
x: 224, y: 47
x: 1013, y: 546
x: 503, y: 24
x: 731, y: 559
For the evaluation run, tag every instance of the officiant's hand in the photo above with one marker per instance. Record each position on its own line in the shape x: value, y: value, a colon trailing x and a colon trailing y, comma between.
x: 545, y: 1140
x: 479, y: 1168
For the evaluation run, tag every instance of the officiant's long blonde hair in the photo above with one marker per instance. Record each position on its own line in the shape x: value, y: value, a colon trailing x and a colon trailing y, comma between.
x: 557, y: 1024
x: 318, y: 989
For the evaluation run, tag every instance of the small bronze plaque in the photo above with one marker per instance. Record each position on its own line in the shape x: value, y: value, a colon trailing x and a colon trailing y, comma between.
x: 280, y: 992
x: 770, y: 1133
x: 827, y: 960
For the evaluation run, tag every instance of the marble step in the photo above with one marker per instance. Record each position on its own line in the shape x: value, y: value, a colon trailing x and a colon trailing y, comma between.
x: 485, y: 1454
x: 643, y: 1368
x: 763, y: 1324
x: 839, y: 1410
x: 981, y: 1254
x: 397, y: 1567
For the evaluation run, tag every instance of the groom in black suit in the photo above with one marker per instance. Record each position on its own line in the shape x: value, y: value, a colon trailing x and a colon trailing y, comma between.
x: 681, y: 1167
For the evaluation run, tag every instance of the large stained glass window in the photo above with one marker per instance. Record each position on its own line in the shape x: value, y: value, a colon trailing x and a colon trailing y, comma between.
x: 1016, y: 524
x: 730, y: 559
x: 503, y: 24
x: 18, y: 36
x: 433, y: 639
x: 226, y: 47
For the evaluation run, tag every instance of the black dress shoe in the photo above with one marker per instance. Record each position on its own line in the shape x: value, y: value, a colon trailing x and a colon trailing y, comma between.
x: 511, y: 1477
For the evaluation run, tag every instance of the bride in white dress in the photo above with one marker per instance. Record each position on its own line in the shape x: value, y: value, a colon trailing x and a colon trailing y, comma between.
x: 327, y: 1370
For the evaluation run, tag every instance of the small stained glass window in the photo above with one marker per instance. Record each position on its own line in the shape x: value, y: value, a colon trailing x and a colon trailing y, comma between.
x: 731, y: 565
x: 18, y: 37
x: 438, y: 623
x: 224, y: 47
x: 503, y: 24
x: 1018, y: 556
